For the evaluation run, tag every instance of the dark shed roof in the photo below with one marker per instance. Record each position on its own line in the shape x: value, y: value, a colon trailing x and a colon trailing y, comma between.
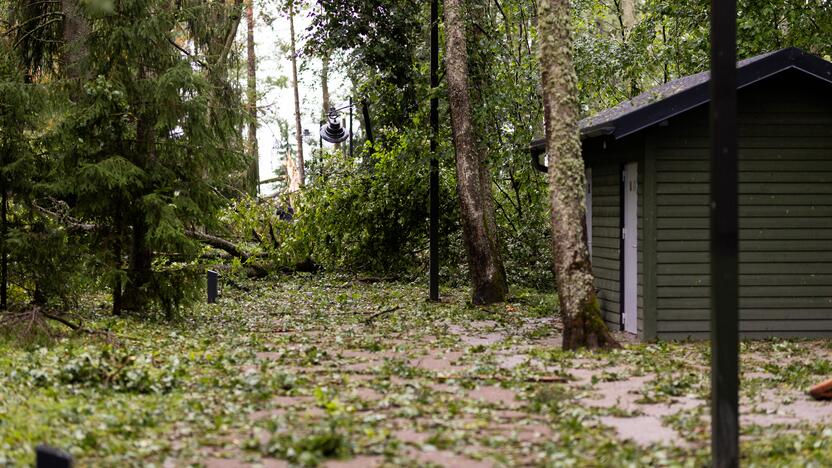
x: 683, y: 94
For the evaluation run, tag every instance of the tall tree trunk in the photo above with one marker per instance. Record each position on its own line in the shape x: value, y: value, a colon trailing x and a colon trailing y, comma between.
x: 253, y: 150
x: 628, y: 14
x: 292, y: 176
x: 134, y: 295
x: 479, y: 224
x: 298, y: 127
x: 325, y: 85
x: 627, y: 20
x: 582, y: 321
x: 75, y: 32
x: 139, y: 271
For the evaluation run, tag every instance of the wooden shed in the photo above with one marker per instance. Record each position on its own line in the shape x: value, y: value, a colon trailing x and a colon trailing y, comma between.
x: 647, y: 163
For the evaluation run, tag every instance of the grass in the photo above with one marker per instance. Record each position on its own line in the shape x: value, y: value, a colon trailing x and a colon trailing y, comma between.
x: 180, y: 392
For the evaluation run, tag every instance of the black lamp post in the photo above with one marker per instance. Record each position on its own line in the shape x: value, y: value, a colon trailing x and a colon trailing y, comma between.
x: 724, y: 237
x: 333, y: 131
x: 434, y: 160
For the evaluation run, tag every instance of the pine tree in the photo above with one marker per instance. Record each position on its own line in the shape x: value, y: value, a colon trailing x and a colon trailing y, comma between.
x: 148, y: 144
x: 39, y: 262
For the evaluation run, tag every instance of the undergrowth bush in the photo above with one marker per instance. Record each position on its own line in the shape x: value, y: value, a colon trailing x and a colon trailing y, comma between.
x: 358, y: 217
x: 113, y: 368
x: 370, y: 215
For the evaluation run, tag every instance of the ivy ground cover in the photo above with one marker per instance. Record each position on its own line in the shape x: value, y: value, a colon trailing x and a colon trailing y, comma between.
x: 331, y: 371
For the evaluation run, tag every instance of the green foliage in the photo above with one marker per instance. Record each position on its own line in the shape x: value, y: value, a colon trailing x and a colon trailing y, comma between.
x: 47, y: 265
x: 107, y: 368
x: 505, y: 75
x: 310, y: 447
x: 355, y: 216
x: 51, y: 266
x: 671, y: 39
x: 145, y: 150
x: 384, y: 43
x: 371, y: 220
x: 220, y: 381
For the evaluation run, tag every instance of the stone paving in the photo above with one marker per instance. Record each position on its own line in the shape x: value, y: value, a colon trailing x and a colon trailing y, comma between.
x: 622, y: 397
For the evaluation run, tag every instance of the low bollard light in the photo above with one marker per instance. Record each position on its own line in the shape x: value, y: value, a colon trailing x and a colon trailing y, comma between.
x: 50, y: 457
x: 213, y: 277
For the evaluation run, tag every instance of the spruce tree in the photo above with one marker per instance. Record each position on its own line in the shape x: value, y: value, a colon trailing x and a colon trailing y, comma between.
x: 145, y: 151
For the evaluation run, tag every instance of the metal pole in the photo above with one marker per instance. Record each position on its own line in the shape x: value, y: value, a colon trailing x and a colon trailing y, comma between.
x: 4, y: 255
x: 350, y: 128
x: 321, y: 151
x: 724, y: 237
x: 365, y: 110
x: 434, y: 160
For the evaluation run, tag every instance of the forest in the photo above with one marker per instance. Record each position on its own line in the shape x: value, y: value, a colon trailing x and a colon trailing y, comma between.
x: 144, y: 143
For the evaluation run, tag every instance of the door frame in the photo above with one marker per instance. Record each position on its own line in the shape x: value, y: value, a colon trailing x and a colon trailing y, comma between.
x: 628, y: 241
x: 588, y: 206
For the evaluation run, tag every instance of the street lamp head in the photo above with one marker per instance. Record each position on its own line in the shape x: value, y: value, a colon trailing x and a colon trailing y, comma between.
x: 332, y: 132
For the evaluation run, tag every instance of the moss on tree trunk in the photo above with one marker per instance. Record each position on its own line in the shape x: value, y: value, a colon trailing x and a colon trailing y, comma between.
x: 583, y: 324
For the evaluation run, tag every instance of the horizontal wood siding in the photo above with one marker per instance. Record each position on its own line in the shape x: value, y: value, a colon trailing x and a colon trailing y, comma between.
x: 785, y: 214
x: 606, y: 163
x: 605, y: 239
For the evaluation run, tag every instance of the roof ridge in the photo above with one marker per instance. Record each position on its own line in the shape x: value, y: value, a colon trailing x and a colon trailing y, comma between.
x: 605, y: 121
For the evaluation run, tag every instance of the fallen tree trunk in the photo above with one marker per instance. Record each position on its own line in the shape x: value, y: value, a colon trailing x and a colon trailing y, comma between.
x: 229, y: 247
x: 208, y: 239
x: 218, y: 243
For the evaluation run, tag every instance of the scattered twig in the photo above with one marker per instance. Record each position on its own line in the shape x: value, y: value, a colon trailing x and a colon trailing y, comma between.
x: 236, y: 285
x: 444, y: 378
x: 64, y: 321
x: 379, y: 314
x: 88, y: 331
x: 370, y: 279
x: 502, y: 378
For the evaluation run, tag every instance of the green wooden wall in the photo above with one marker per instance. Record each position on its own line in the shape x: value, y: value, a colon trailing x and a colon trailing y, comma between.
x: 605, y: 238
x: 606, y: 219
x: 785, y: 214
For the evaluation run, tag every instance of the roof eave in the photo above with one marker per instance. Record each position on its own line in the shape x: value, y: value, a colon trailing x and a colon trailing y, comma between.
x: 697, y: 95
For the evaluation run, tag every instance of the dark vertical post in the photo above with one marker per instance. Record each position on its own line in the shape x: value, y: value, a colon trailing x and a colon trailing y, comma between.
x: 48, y: 457
x: 350, y: 128
x: 434, y: 160
x: 321, y: 152
x: 212, y: 286
x: 724, y: 237
x: 365, y: 110
x: 4, y: 255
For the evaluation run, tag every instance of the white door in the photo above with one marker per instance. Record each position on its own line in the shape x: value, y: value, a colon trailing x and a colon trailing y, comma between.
x: 630, y: 237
